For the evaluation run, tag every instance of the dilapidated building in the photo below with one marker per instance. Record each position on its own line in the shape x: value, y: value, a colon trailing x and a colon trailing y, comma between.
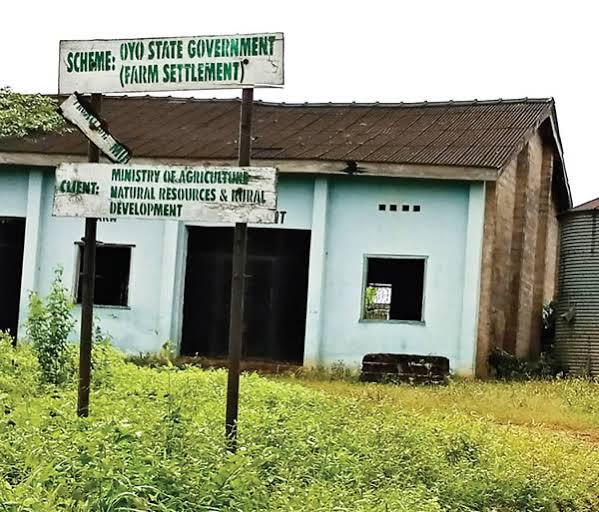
x: 424, y: 228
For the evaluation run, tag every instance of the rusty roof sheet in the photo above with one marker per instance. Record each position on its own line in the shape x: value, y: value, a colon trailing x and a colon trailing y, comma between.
x: 468, y: 133
x: 588, y: 206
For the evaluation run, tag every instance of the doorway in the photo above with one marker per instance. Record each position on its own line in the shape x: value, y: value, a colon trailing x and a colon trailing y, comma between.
x: 275, y: 296
x: 12, y: 241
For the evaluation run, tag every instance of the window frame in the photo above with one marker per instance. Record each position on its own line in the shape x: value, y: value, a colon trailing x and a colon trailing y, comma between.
x: 365, y: 259
x: 77, y: 274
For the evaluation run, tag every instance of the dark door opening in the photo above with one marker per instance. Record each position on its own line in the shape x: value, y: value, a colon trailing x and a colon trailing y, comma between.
x: 12, y: 241
x: 275, y: 298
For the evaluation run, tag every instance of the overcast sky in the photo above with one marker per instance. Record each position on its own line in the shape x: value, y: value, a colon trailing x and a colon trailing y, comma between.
x: 367, y: 51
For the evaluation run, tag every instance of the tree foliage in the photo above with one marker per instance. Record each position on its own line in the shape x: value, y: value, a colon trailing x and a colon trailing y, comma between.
x: 25, y: 114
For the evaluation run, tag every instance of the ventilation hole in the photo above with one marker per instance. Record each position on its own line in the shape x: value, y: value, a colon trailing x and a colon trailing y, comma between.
x: 416, y: 208
x: 382, y: 207
x: 405, y: 207
x: 393, y: 207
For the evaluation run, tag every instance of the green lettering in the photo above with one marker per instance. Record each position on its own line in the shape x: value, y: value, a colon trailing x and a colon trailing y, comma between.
x: 246, y: 47
x: 263, y: 46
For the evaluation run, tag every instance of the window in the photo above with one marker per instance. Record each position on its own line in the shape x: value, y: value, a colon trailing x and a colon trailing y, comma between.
x: 394, y: 288
x: 112, y: 274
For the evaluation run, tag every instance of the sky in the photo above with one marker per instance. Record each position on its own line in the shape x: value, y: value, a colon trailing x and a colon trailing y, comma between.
x: 366, y: 51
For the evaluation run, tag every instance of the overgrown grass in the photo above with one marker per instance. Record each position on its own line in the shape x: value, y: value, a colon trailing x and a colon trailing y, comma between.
x: 562, y: 404
x: 154, y: 441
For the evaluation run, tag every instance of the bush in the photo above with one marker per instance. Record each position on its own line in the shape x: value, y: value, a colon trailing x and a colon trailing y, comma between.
x: 164, y: 357
x: 23, y: 114
x: 106, y: 360
x: 507, y: 366
x: 49, y: 324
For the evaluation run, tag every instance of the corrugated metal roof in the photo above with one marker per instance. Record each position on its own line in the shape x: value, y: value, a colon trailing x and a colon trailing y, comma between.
x: 465, y: 133
x: 589, y: 205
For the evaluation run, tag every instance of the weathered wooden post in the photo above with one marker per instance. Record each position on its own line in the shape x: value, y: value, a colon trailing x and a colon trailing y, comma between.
x: 87, y: 292
x: 238, y: 281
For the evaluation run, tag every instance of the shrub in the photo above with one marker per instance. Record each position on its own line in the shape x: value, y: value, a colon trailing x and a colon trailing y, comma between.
x: 165, y: 357
x: 507, y: 366
x: 106, y: 359
x: 6, y: 338
x: 49, y: 324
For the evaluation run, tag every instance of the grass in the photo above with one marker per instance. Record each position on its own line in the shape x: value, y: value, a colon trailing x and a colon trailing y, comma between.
x: 154, y: 442
x: 569, y: 405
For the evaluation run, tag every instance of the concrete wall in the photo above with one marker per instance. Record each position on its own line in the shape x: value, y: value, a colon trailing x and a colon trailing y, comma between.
x: 447, y: 231
x: 346, y: 225
x: 14, y: 184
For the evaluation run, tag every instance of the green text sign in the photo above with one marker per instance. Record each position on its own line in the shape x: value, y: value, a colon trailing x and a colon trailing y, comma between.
x: 170, y: 64
x: 211, y: 194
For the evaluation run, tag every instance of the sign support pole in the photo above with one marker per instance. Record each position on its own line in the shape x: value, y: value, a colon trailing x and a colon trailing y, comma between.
x: 238, y: 282
x: 87, y: 292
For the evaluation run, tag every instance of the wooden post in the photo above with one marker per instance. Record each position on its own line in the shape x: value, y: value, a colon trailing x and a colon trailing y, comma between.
x: 238, y: 282
x: 87, y: 292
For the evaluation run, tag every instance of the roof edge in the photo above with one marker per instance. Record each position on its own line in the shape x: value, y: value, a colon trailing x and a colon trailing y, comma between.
x: 415, y: 104
x: 549, y: 114
x: 298, y: 167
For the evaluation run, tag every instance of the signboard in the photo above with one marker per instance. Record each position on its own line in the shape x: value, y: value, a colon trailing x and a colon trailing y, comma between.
x: 94, y: 129
x: 211, y: 194
x: 171, y: 64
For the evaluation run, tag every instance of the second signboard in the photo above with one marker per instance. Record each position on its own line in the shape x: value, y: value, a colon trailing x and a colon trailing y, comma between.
x: 210, y: 194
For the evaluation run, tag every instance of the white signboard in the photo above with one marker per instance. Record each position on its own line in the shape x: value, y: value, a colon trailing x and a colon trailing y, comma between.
x: 171, y: 64
x: 211, y: 194
x: 94, y: 129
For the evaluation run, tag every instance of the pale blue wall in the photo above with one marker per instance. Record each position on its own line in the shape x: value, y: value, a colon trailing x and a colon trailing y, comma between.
x: 355, y: 228
x: 346, y: 225
x: 135, y: 328
x: 14, y: 183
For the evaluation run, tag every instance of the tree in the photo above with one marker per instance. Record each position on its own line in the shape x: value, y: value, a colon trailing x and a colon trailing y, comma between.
x: 25, y: 114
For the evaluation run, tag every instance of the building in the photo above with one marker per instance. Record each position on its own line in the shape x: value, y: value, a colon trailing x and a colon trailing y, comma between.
x: 423, y: 228
x: 577, y: 305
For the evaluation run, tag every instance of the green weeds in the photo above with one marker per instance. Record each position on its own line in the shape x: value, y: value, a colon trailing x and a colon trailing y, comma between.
x: 155, y: 442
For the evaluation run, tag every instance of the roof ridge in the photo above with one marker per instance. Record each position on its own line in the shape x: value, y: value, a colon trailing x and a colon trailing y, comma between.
x: 444, y: 103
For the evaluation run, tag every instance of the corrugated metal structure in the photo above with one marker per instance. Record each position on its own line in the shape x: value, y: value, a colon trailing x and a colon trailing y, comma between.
x: 577, y: 313
x: 457, y: 133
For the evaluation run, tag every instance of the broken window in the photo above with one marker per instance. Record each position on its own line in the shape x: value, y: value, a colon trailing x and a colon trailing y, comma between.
x: 113, y: 263
x: 394, y: 288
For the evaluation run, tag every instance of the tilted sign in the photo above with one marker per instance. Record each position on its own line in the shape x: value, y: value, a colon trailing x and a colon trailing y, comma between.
x: 212, y: 194
x: 94, y: 129
x: 169, y: 64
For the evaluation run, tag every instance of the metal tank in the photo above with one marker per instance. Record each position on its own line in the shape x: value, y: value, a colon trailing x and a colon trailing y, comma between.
x: 577, y: 309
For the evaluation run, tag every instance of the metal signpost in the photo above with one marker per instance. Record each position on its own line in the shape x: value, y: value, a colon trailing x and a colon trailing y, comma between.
x: 224, y: 194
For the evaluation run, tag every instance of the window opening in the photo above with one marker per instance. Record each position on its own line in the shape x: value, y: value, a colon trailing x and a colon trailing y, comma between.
x: 394, y: 289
